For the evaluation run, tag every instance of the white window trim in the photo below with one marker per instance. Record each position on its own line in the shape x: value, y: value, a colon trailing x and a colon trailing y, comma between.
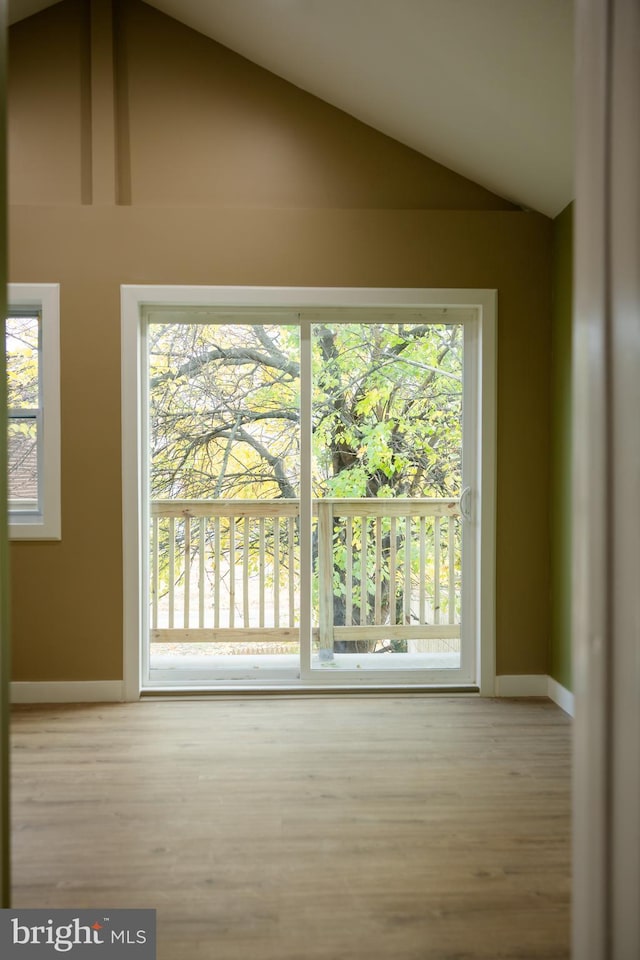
x: 46, y: 523
x: 134, y: 298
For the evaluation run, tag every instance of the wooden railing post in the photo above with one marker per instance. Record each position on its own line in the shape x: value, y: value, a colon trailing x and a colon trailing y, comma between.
x: 325, y: 578
x: 224, y: 531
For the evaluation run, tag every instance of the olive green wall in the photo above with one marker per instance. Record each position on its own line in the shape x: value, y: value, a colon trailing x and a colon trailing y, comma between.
x: 225, y: 174
x: 561, y: 503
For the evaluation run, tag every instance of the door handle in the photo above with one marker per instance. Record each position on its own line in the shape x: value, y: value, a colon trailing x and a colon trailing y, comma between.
x: 465, y: 504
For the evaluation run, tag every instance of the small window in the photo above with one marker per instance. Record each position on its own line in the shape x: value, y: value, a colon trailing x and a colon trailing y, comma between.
x: 32, y: 343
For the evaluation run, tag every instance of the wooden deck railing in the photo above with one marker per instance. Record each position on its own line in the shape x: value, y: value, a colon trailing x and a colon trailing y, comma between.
x: 228, y: 570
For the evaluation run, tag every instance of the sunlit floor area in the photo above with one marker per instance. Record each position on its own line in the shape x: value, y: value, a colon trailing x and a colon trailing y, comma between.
x: 295, y: 828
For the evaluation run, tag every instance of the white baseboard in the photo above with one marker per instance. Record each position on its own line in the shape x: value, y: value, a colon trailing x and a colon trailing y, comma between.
x: 112, y: 691
x: 522, y: 685
x: 68, y: 691
x: 535, y: 685
x: 561, y: 696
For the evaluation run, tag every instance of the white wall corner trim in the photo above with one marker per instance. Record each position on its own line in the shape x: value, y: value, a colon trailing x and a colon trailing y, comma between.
x: 561, y: 696
x: 68, y: 691
x: 535, y: 685
x: 522, y: 685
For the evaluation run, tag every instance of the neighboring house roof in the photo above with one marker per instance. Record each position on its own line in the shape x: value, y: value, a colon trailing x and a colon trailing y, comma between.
x: 482, y: 86
x: 22, y: 467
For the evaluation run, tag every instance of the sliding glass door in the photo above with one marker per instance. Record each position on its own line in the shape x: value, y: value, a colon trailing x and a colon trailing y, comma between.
x: 224, y: 484
x: 387, y: 424
x: 309, y: 479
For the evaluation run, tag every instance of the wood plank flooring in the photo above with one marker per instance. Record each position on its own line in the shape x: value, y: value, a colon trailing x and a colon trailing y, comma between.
x: 333, y: 828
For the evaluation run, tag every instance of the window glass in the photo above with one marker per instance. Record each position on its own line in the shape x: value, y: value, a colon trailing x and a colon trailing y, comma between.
x: 32, y: 340
x: 22, y: 341
x: 23, y: 463
x: 23, y: 361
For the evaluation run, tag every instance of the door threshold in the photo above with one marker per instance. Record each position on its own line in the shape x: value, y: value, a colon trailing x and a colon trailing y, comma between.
x: 187, y: 693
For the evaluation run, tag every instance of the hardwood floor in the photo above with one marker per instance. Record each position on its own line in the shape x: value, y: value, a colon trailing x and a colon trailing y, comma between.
x: 341, y: 828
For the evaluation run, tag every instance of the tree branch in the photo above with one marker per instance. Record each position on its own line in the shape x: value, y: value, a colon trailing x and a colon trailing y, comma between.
x: 232, y: 356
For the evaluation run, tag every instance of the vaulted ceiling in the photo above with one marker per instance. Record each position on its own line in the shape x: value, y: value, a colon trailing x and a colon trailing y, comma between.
x: 484, y: 87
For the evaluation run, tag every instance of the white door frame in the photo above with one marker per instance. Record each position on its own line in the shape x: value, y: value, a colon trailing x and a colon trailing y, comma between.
x: 133, y: 298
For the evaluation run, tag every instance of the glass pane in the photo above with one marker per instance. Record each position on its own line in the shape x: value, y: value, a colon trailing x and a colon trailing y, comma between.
x: 224, y: 428
x: 23, y: 464
x: 387, y: 434
x: 22, y: 346
x: 224, y: 411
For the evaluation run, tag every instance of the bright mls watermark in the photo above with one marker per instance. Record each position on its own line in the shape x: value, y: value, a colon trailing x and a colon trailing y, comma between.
x: 80, y: 934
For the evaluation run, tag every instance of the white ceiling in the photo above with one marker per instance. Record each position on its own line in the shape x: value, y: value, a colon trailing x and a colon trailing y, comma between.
x: 482, y: 86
